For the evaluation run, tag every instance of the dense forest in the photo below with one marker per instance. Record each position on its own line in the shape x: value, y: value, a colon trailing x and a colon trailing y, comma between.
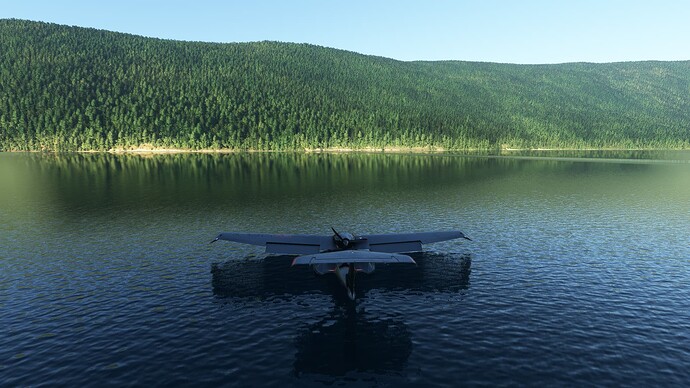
x: 69, y: 88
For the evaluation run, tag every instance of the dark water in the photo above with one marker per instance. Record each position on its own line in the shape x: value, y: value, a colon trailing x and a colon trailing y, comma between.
x: 579, y: 271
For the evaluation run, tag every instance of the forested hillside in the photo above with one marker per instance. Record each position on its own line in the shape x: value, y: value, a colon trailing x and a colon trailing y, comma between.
x: 71, y: 88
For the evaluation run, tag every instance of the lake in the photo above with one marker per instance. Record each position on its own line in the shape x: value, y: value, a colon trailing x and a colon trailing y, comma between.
x: 578, y: 272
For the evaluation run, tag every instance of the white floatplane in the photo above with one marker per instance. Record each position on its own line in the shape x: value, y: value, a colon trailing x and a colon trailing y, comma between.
x: 343, y: 253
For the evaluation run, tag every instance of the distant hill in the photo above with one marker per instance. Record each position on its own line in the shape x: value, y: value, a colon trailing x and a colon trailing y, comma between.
x: 71, y: 88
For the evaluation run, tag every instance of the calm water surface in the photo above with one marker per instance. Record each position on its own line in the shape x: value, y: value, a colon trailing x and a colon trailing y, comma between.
x: 579, y: 271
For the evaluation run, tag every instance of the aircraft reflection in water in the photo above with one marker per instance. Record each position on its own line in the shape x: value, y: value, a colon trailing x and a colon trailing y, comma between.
x: 344, y: 254
x: 369, y: 343
x: 258, y: 279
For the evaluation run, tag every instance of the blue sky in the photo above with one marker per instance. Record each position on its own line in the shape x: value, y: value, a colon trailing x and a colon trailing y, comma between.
x: 508, y: 31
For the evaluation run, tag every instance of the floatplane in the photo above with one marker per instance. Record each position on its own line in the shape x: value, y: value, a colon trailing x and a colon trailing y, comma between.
x: 344, y: 254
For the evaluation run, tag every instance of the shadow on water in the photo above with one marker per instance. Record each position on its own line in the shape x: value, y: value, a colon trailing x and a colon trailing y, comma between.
x: 347, y: 340
x: 273, y: 277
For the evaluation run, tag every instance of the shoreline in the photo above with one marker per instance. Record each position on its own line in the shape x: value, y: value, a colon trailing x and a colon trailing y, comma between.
x: 142, y: 150
x: 146, y: 148
x: 374, y: 150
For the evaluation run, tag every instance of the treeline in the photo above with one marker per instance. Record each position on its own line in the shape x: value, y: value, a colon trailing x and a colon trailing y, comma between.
x: 69, y: 88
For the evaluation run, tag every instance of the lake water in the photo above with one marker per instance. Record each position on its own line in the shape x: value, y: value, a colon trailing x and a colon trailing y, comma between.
x: 578, y: 272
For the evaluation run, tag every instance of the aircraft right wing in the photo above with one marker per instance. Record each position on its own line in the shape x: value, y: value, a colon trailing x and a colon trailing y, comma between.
x: 408, y: 242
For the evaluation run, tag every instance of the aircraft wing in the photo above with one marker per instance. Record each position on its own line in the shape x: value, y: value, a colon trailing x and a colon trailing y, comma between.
x: 286, y: 244
x: 305, y: 244
x: 408, y: 242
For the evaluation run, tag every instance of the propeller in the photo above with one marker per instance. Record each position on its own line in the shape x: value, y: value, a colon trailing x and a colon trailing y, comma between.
x: 341, y: 241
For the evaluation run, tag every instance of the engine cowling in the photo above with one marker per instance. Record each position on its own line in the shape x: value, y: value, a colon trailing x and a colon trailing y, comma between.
x: 343, y: 240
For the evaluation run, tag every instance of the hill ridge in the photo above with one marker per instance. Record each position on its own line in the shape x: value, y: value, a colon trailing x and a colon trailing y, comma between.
x: 74, y: 88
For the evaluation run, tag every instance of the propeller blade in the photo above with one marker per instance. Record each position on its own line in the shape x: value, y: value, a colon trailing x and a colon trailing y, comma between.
x: 336, y: 233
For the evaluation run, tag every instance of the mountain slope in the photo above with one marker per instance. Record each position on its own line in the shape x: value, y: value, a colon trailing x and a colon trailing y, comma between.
x: 71, y: 88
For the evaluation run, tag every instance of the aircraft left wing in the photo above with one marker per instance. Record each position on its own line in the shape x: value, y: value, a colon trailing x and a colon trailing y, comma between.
x: 286, y: 244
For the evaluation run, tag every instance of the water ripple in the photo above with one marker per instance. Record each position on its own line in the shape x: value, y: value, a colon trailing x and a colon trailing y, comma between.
x: 577, y: 275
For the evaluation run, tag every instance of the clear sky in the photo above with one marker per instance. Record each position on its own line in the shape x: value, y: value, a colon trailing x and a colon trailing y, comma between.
x: 507, y: 31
